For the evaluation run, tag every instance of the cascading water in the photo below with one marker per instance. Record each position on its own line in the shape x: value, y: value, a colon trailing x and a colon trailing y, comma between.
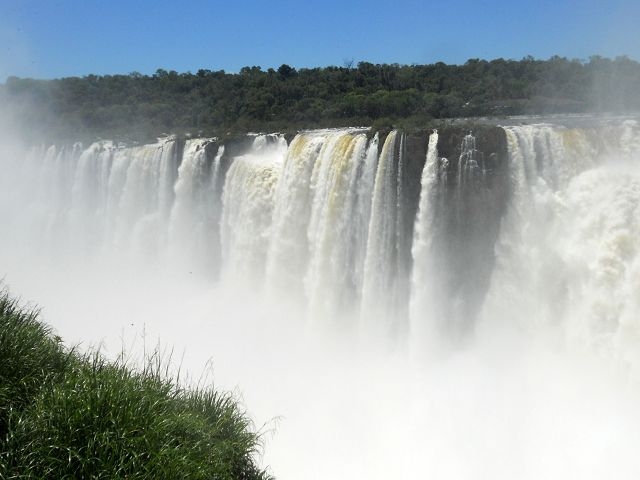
x: 529, y: 228
x: 456, y: 226
x: 195, y: 215
x: 288, y: 249
x: 247, y: 210
x: 381, y: 280
x: 569, y: 249
x: 322, y: 218
x: 145, y: 200
x: 423, y: 271
x: 321, y: 208
x: 332, y: 232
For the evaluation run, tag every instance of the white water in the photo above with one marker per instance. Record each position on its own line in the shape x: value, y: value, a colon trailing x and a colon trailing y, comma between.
x: 196, y: 211
x: 424, y: 271
x: 570, y: 246
x: 118, y: 245
x: 332, y: 232
x: 247, y: 209
x: 379, y: 282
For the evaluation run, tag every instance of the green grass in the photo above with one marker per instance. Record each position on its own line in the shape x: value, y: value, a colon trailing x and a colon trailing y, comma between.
x: 68, y: 415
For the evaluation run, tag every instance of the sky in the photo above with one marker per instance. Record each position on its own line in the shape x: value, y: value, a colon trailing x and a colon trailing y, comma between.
x: 51, y: 39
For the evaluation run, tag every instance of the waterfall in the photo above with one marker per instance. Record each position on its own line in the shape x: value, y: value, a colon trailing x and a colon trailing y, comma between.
x: 466, y: 301
x: 569, y: 250
x: 381, y: 277
x: 89, y: 194
x: 332, y: 231
x: 544, y: 233
x: 247, y: 211
x: 423, y: 268
x: 193, y: 223
x: 141, y: 193
x: 288, y: 249
x: 320, y: 215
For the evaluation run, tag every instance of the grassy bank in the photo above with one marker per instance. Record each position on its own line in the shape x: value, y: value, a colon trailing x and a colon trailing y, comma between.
x: 65, y: 414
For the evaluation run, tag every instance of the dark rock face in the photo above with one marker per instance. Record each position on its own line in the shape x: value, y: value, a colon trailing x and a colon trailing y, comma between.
x: 471, y: 198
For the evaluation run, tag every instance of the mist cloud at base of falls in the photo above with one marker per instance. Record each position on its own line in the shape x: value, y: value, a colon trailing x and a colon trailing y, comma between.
x: 508, y: 406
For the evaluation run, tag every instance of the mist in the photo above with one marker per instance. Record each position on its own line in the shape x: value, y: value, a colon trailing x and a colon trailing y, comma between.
x: 346, y: 381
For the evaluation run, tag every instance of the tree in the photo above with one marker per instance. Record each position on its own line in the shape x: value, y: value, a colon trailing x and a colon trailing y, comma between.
x: 286, y: 71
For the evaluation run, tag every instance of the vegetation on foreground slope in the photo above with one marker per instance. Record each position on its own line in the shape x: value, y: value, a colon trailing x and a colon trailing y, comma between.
x: 69, y: 415
x: 286, y: 99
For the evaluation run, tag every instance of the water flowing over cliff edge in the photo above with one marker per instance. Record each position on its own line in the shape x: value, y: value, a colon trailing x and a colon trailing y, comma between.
x: 417, y: 243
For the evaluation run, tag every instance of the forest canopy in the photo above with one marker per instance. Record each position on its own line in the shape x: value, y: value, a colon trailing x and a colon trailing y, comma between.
x: 207, y: 102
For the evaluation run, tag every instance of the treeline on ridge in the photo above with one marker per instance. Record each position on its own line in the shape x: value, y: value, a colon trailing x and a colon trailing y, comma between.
x: 218, y: 103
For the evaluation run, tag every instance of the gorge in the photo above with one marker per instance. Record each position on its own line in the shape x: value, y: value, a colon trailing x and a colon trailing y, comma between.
x: 432, y: 300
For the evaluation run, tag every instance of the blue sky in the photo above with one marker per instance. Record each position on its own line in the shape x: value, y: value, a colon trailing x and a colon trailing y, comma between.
x: 48, y: 38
